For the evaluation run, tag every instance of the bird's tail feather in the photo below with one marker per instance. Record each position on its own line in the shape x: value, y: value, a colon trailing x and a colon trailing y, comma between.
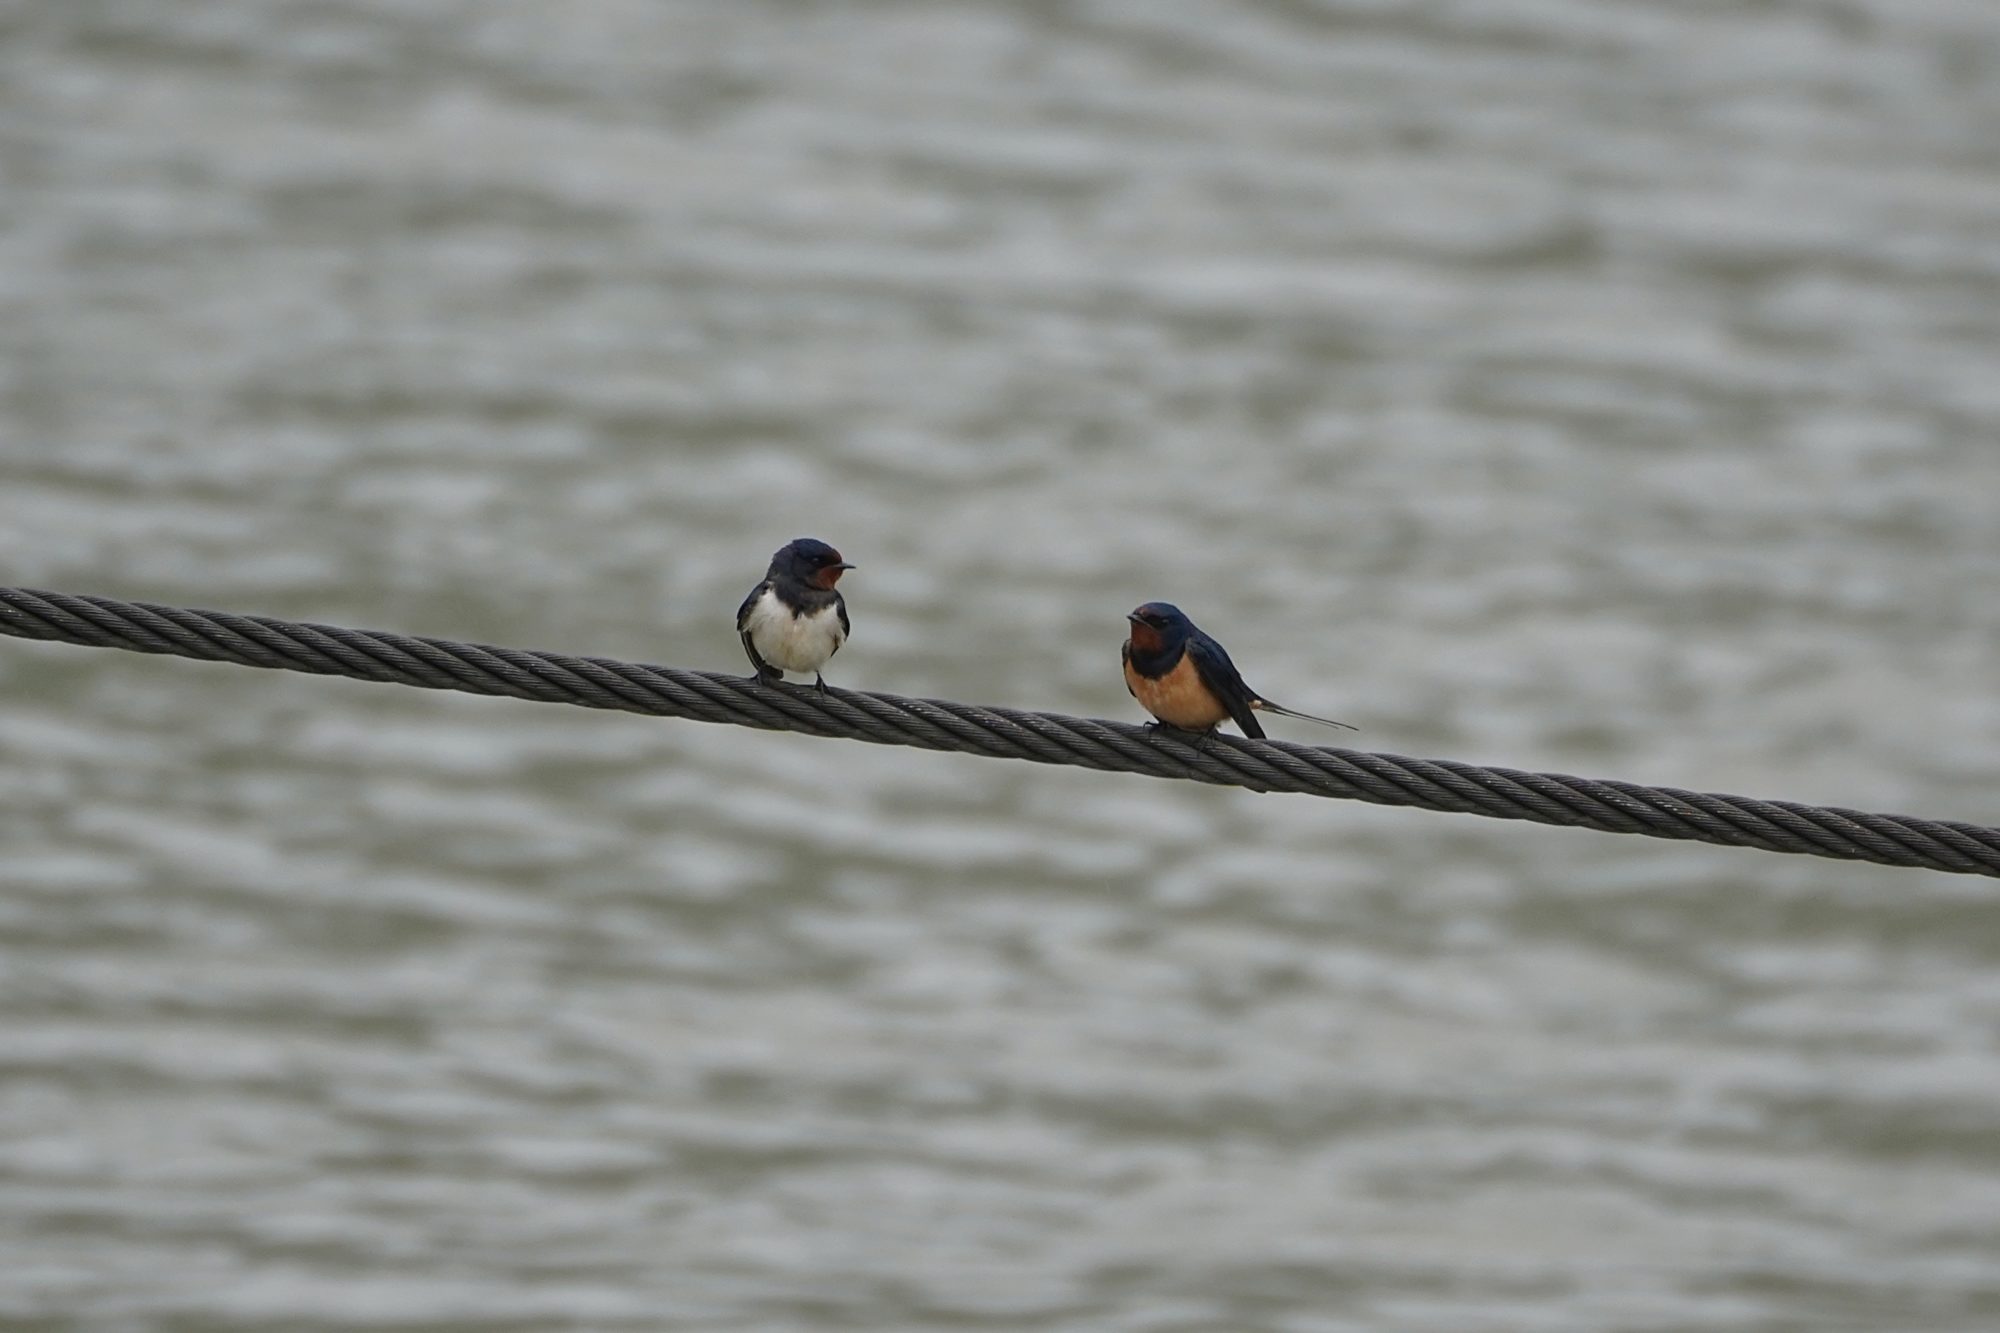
x: 1267, y: 706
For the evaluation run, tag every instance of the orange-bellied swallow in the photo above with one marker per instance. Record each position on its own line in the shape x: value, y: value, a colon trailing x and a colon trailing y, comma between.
x: 1186, y: 680
x: 794, y: 620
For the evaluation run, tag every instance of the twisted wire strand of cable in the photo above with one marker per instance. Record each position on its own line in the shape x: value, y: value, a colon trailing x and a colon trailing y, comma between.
x: 1045, y: 738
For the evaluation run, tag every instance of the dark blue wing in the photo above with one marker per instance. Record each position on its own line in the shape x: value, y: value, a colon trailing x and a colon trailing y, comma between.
x: 1217, y: 672
x: 743, y: 611
x: 762, y: 667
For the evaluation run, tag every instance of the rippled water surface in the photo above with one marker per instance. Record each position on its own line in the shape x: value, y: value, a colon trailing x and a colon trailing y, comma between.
x: 1594, y: 385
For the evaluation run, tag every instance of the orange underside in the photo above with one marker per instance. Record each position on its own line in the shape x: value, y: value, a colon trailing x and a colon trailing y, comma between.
x: 1178, y: 698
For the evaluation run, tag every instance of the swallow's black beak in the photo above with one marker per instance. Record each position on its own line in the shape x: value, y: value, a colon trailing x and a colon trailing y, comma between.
x: 844, y: 565
x: 1135, y: 618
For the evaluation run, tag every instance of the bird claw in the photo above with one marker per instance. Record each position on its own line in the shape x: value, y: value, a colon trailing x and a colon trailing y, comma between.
x: 1201, y: 740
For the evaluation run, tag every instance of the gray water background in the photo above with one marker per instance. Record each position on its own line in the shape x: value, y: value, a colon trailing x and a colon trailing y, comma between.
x: 1595, y: 385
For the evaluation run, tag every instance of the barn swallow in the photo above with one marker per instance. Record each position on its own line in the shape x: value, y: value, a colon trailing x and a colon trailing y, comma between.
x: 794, y: 620
x: 1185, y: 679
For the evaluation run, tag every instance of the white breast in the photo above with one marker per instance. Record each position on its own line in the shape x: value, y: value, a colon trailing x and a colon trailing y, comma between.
x: 789, y: 642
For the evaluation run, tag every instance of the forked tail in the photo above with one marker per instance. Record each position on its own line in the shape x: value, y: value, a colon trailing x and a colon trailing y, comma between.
x: 1265, y: 705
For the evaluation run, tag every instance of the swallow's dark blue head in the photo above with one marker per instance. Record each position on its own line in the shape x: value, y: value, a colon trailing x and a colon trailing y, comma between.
x: 1159, y: 627
x: 809, y: 561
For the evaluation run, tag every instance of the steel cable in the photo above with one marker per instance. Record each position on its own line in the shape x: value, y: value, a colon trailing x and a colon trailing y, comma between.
x: 1044, y: 738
